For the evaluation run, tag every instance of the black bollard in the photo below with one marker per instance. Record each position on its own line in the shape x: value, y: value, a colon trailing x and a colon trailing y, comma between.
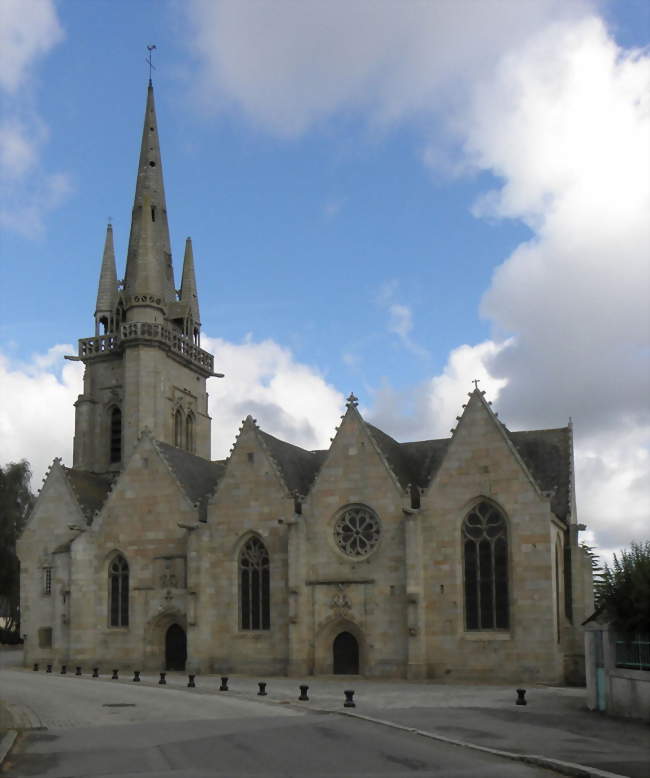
x: 64, y: 669
x: 49, y: 669
x: 95, y: 672
x: 115, y: 676
x: 136, y: 675
x: 349, y: 702
x: 190, y: 682
x: 521, y: 697
x: 77, y: 671
x: 262, y: 691
x: 35, y: 667
x: 303, y: 693
x: 224, y: 683
x: 162, y: 680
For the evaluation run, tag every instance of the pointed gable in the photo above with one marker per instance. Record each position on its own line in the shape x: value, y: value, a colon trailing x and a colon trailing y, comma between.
x: 542, y: 456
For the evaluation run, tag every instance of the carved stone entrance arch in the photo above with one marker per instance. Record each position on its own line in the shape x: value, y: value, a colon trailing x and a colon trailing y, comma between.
x: 328, y: 635
x: 157, y: 638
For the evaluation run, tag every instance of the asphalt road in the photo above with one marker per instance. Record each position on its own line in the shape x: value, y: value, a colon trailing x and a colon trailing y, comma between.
x: 85, y: 727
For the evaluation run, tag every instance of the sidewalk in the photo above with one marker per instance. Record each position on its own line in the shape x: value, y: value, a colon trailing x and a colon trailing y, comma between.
x: 554, y: 725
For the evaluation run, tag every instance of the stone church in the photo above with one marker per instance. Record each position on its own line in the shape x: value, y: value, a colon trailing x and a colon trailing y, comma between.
x: 451, y: 559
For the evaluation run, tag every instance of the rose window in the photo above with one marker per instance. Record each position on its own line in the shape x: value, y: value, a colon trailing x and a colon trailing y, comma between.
x: 357, y: 530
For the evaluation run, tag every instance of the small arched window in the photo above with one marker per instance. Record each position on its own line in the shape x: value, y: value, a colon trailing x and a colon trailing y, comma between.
x: 115, y: 438
x: 254, y: 586
x: 178, y: 429
x: 485, y: 552
x: 189, y: 432
x: 118, y: 592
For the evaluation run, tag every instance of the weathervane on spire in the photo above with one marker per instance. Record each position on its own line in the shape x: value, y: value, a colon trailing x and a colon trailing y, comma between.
x: 148, y: 59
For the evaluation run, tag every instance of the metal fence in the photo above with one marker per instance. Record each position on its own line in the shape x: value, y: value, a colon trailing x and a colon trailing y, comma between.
x: 633, y: 651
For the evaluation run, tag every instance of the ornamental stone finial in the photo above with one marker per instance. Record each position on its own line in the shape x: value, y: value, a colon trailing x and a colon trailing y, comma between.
x: 352, y: 401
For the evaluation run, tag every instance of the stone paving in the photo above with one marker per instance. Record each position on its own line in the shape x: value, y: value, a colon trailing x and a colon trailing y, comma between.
x: 554, y: 724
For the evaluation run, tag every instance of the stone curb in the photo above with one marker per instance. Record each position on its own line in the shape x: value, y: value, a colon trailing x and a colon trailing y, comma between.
x: 8, y: 739
x: 565, y: 768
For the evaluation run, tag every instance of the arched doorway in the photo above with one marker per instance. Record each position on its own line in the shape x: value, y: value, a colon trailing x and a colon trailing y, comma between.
x: 345, y: 650
x: 175, y: 648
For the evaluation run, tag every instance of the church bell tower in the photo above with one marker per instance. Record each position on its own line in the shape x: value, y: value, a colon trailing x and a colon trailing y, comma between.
x: 144, y: 367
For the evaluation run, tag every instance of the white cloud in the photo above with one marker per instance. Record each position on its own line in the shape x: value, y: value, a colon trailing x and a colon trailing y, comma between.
x: 289, y: 399
x: 17, y: 151
x: 286, y: 65
x: 430, y: 409
x: 613, y: 497
x: 539, y: 95
x: 37, y: 413
x: 28, y: 31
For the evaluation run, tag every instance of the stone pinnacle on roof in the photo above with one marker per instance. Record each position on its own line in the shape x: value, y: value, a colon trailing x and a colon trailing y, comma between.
x: 352, y: 401
x: 189, y: 294
x: 149, y: 206
x: 107, y: 288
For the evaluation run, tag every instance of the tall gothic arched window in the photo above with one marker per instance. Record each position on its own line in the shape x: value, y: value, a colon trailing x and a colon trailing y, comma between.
x: 485, y: 551
x: 115, y: 438
x: 178, y: 429
x: 189, y: 432
x: 254, y: 586
x: 118, y: 592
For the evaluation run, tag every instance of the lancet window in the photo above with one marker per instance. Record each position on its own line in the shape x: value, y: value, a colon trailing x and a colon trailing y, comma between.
x: 254, y: 586
x: 189, y: 432
x: 178, y: 428
x: 115, y: 438
x: 485, y: 551
x: 118, y: 592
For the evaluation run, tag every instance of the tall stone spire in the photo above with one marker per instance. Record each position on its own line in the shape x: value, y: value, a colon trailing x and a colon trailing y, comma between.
x: 189, y: 294
x: 107, y: 288
x: 149, y: 274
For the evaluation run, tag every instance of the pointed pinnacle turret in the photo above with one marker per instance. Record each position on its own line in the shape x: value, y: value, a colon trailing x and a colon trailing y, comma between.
x: 107, y: 288
x: 189, y: 293
x: 149, y: 206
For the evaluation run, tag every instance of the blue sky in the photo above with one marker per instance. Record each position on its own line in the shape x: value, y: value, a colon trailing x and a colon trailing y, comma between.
x: 378, y: 202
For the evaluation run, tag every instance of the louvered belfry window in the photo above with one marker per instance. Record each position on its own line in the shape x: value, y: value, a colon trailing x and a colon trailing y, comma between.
x: 485, y: 549
x: 254, y: 586
x: 118, y: 579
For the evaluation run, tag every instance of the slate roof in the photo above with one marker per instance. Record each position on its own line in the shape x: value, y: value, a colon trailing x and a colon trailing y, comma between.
x: 412, y: 463
x: 90, y: 489
x: 197, y: 476
x: 297, y: 465
x: 547, y: 455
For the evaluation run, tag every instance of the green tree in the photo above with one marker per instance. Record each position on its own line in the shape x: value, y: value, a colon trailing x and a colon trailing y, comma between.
x: 16, y: 500
x: 623, y: 590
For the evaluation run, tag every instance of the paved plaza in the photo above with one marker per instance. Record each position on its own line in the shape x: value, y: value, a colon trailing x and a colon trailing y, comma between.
x: 417, y: 718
